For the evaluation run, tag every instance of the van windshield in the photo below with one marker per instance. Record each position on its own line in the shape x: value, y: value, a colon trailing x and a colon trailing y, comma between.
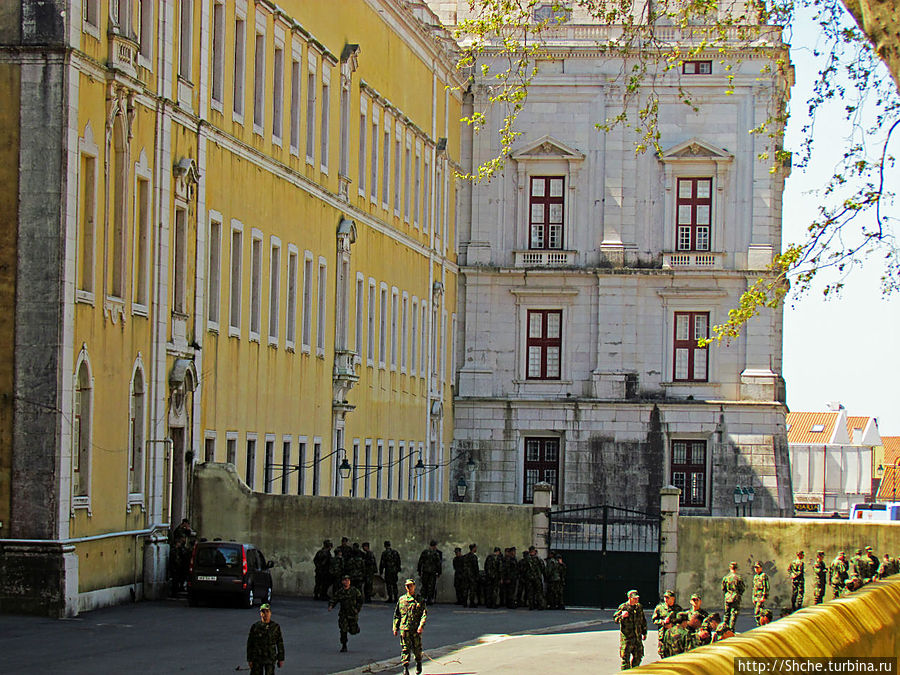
x: 220, y: 557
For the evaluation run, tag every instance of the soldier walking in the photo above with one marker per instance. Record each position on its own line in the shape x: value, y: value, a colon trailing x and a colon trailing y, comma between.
x: 838, y: 574
x: 265, y: 646
x: 322, y: 564
x: 798, y: 581
x: 429, y: 569
x: 370, y: 569
x: 350, y: 598
x: 760, y: 591
x: 660, y: 619
x: 633, y: 631
x: 390, y: 567
x: 733, y: 588
x: 820, y: 574
x: 409, y: 622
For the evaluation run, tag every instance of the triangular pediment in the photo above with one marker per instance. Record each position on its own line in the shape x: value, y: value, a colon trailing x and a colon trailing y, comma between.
x: 547, y: 147
x: 696, y: 148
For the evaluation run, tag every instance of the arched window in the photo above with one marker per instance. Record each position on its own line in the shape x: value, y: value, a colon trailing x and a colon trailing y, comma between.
x: 136, y: 434
x: 81, y: 433
x: 118, y: 232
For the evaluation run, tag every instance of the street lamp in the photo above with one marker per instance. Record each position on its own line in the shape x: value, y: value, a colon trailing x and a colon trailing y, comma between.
x: 743, y: 498
x: 751, y: 493
x: 344, y: 469
x: 738, y: 498
x: 461, y: 487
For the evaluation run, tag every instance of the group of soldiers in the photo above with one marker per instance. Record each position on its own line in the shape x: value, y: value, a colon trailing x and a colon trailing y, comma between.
x: 508, y: 581
x: 358, y: 564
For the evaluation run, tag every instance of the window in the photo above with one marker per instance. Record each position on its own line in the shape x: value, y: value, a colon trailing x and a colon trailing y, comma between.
x: 306, y: 326
x: 414, y: 342
x: 545, y: 203
x: 301, y: 462
x: 370, y: 333
x: 382, y: 328
x: 255, y: 283
x: 259, y: 86
x: 404, y: 327
x: 87, y: 215
x: 320, y: 317
x: 186, y: 39
x: 386, y: 162
x: 541, y: 464
x: 344, y: 150
x: 240, y: 47
x: 218, y: 55
x: 286, y: 467
x: 366, y: 479
x: 438, y: 197
x: 90, y: 12
x: 312, y: 66
x: 209, y: 448
x: 426, y: 194
x: 295, y: 106
x: 401, y: 459
x: 817, y: 428
x: 360, y: 297
x: 423, y: 331
x: 145, y: 29
x: 452, y: 347
x: 417, y: 186
x: 274, y: 289
x: 544, y: 344
x: 234, y: 318
x: 317, y: 465
x: 394, y: 331
x: 136, y: 435
x: 373, y: 176
x: 363, y: 145
x: 231, y: 447
x: 689, y: 471
x: 390, y: 470
x: 690, y: 359
x: 291, y: 310
x: 142, y: 219
x: 693, y: 207
x: 397, y: 171
x: 250, y: 473
x: 81, y: 433
x: 326, y: 106
x: 270, y: 465
x: 406, y: 181
x: 696, y: 67
x: 179, y: 263
x: 119, y: 172
x: 212, y: 273
x: 278, y: 95
x: 379, y: 463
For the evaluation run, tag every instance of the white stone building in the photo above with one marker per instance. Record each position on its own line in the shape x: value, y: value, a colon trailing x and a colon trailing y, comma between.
x: 588, y: 271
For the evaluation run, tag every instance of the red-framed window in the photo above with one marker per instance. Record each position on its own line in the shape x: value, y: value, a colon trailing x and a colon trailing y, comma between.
x: 690, y: 361
x: 697, y: 67
x: 545, y: 209
x: 689, y: 472
x: 541, y: 464
x: 693, y: 214
x: 544, y: 344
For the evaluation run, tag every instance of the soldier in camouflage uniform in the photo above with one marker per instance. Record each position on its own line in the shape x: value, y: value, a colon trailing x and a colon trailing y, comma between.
x: 429, y: 569
x: 695, y: 621
x: 350, y: 598
x: 554, y: 582
x: 492, y: 579
x: 854, y: 568
x: 733, y: 588
x: 370, y: 569
x: 471, y: 575
x: 871, y: 565
x: 676, y: 640
x: 798, y: 581
x: 355, y: 567
x: 709, y: 627
x: 265, y: 646
x: 322, y: 564
x: 535, y: 580
x: 522, y: 591
x: 336, y: 568
x: 509, y: 576
x: 633, y: 627
x: 459, y: 576
x: 888, y: 566
x: 696, y: 602
x: 760, y: 591
x: 838, y: 574
x: 409, y: 622
x: 820, y: 574
x: 390, y: 567
x: 660, y: 619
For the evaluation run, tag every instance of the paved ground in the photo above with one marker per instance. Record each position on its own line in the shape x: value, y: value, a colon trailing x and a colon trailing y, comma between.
x: 169, y: 637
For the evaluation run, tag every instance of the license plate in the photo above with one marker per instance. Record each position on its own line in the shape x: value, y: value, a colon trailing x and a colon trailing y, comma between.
x: 205, y: 578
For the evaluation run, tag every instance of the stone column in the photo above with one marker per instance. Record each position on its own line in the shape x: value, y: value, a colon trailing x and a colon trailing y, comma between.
x: 540, y: 520
x: 668, y: 537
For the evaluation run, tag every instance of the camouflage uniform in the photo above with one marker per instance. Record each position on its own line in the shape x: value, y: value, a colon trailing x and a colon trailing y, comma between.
x: 535, y: 582
x: 492, y: 579
x: 322, y: 563
x: 760, y: 592
x: 796, y: 570
x: 555, y: 570
x: 733, y: 588
x: 633, y: 632
x: 509, y: 575
x: 409, y: 617
x: 336, y: 568
x: 888, y: 567
x: 429, y: 569
x: 390, y: 567
x: 522, y: 590
x: 660, y: 619
x: 370, y: 569
x: 838, y: 575
x: 871, y: 566
x: 351, y: 601
x: 355, y: 567
x: 265, y: 647
x: 820, y: 573
x: 676, y: 640
x: 471, y: 573
x: 459, y: 577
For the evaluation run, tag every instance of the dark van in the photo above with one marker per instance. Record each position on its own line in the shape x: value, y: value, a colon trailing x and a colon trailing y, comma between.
x: 229, y: 569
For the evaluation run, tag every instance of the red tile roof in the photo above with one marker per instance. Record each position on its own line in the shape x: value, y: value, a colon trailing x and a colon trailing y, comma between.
x: 800, y: 426
x: 889, y: 489
x: 856, y: 423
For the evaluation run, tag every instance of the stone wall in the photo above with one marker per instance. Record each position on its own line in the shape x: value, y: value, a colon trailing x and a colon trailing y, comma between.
x: 289, y: 529
x: 707, y: 545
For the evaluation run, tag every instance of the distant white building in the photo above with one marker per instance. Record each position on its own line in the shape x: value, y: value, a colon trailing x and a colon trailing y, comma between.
x: 588, y: 272
x: 832, y: 456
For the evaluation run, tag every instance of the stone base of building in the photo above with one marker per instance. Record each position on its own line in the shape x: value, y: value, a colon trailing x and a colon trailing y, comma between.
x: 38, y: 579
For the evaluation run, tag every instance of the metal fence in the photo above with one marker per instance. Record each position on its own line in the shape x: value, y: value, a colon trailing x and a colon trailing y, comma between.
x: 604, y: 528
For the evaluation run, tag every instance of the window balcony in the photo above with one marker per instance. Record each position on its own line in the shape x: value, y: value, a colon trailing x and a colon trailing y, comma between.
x: 693, y: 260
x: 123, y: 53
x: 544, y: 258
x: 344, y: 375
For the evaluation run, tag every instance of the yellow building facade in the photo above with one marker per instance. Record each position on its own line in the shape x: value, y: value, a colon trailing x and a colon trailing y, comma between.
x: 228, y: 236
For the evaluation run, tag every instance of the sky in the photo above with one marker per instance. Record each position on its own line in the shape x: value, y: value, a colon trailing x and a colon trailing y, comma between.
x: 845, y: 349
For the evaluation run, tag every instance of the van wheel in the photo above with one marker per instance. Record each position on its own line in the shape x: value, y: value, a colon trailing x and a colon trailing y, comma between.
x: 248, y: 598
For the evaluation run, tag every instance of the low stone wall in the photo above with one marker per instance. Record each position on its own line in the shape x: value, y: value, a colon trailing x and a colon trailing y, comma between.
x: 862, y: 624
x: 707, y: 545
x: 289, y: 529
